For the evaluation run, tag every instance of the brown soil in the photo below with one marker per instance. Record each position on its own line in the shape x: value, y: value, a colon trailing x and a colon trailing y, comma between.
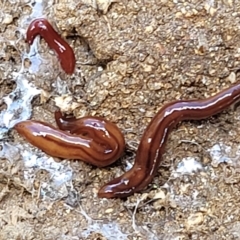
x: 132, y: 57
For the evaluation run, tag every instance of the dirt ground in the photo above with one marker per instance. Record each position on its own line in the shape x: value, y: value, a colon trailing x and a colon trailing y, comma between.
x: 132, y: 57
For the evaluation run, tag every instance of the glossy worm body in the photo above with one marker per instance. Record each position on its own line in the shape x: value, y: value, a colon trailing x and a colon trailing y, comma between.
x: 42, y: 27
x: 91, y: 139
x: 97, y: 145
x: 152, y: 144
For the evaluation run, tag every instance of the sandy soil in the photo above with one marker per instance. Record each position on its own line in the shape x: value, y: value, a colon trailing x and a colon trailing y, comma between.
x: 132, y: 57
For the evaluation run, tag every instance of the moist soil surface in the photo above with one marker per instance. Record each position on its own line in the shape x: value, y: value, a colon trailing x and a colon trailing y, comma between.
x: 132, y: 57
